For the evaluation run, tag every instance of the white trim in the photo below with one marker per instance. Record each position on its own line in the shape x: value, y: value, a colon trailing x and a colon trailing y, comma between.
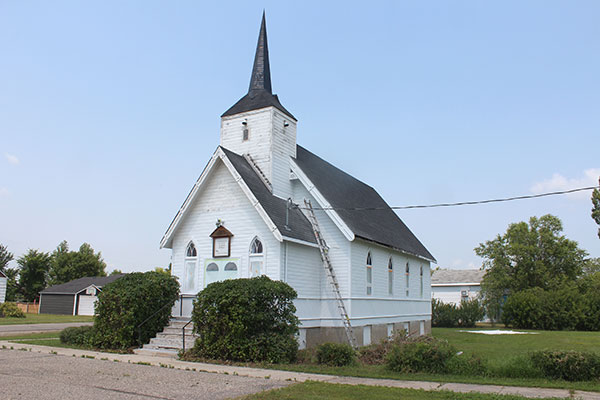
x: 385, y: 246
x: 311, y: 188
x: 364, y: 317
x: 456, y: 284
x: 218, y: 154
x: 404, y: 299
x: 166, y: 239
x: 303, y: 242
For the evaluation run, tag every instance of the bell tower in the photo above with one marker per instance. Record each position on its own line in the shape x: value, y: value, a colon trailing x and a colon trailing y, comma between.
x: 259, y: 128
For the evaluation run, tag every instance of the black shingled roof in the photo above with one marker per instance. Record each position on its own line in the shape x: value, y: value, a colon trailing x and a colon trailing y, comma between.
x: 344, y: 191
x: 274, y: 206
x: 257, y: 100
x: 77, y: 285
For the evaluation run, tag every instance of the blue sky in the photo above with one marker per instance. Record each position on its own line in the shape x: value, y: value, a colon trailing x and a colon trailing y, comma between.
x: 109, y: 111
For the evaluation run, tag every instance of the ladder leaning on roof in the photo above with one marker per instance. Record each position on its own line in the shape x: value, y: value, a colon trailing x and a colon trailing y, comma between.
x: 324, y: 249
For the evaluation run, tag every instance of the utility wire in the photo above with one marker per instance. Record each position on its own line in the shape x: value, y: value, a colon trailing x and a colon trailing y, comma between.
x: 462, y: 203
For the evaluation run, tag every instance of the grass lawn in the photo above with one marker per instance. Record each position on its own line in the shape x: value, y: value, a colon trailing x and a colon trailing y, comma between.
x: 322, y: 391
x: 45, y: 319
x: 497, y: 350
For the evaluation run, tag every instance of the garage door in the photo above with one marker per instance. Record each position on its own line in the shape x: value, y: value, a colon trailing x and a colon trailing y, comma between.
x: 86, y: 305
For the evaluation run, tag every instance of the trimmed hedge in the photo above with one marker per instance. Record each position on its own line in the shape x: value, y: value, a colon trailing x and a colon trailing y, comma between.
x: 448, y: 315
x: 125, y: 303
x: 78, y: 335
x: 335, y: 354
x: 11, y: 310
x: 246, y: 320
x: 567, y: 365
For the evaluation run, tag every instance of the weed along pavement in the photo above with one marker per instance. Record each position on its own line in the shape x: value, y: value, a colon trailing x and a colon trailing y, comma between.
x: 43, y: 372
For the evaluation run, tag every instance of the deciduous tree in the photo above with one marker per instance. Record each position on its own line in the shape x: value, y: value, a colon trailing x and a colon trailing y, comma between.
x: 528, y: 255
x: 68, y: 265
x: 33, y: 273
x: 596, y: 206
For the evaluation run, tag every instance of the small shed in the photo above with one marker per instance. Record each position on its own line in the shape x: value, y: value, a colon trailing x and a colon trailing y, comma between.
x: 76, y: 297
x: 454, y: 285
x: 3, y: 282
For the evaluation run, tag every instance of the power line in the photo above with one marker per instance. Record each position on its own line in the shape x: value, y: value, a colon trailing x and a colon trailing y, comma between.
x: 462, y: 203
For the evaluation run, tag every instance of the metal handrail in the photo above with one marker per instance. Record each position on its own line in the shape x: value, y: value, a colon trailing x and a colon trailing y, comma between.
x: 139, y: 327
x: 183, y: 335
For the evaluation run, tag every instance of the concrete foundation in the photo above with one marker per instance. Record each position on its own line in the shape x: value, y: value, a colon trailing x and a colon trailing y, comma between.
x: 312, y: 337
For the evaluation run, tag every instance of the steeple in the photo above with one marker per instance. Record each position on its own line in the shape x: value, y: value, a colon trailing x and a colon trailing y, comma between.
x: 261, y: 71
x: 260, y: 93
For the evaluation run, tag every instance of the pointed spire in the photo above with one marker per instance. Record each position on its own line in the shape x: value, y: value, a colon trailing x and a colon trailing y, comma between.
x: 261, y: 72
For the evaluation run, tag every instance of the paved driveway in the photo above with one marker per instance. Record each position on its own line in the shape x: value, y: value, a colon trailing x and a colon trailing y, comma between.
x: 30, y: 375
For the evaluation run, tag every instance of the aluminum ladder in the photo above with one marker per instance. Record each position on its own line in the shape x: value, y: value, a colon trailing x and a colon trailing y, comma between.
x: 324, y: 249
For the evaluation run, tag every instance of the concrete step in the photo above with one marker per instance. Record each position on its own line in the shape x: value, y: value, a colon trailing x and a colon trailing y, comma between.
x: 171, y: 353
x: 170, y: 330
x: 180, y: 324
x: 172, y: 343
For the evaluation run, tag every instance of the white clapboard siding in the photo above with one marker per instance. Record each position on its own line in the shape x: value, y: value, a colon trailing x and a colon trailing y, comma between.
x: 258, y: 145
x: 380, y: 306
x: 304, y: 270
x: 2, y: 289
x: 283, y: 146
x: 222, y: 198
x: 453, y: 293
x: 339, y: 246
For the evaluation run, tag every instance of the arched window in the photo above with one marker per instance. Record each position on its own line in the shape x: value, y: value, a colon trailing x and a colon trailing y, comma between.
x: 230, y: 271
x: 191, y: 250
x: 407, y: 278
x: 421, y: 292
x: 390, y: 277
x: 256, y: 246
x: 189, y: 268
x: 369, y: 274
x: 257, y: 258
x: 212, y: 273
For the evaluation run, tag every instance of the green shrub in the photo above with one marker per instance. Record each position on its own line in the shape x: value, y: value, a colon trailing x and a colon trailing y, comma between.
x: 467, y: 365
x: 246, y: 320
x: 448, y: 315
x: 567, y: 365
x: 79, y: 335
x: 426, y: 355
x: 335, y: 354
x: 561, y: 309
x: 11, y: 310
x: 443, y: 315
x: 125, y: 303
x: 469, y: 312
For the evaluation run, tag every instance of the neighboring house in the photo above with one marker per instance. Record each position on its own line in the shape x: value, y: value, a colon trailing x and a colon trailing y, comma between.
x: 253, y: 191
x: 3, y: 283
x: 454, y: 285
x: 76, y: 297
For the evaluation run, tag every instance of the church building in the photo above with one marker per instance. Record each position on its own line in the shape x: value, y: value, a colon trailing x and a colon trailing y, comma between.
x: 246, y: 216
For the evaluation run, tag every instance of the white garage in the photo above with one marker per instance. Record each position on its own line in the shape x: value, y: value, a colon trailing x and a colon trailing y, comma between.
x: 454, y: 285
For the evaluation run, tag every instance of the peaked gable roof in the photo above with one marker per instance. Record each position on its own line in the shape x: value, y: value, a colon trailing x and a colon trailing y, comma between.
x: 451, y: 276
x: 344, y: 192
x: 298, y: 226
x: 271, y: 208
x: 77, y: 285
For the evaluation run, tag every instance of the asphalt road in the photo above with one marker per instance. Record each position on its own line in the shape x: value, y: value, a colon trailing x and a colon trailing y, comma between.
x: 12, y: 330
x: 30, y: 375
